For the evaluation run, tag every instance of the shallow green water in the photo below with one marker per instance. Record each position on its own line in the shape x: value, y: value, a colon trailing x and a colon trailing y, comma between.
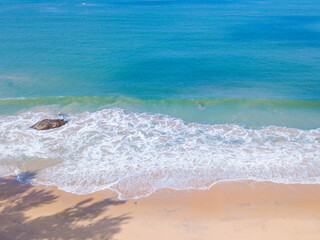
x: 303, y: 114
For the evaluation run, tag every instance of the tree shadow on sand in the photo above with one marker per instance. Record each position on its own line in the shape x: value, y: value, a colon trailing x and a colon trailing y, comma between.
x: 18, y: 197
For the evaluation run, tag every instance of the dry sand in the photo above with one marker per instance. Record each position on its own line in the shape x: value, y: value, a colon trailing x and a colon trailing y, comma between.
x: 230, y: 210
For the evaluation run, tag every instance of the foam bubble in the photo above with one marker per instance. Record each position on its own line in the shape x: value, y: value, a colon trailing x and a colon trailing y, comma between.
x: 136, y: 154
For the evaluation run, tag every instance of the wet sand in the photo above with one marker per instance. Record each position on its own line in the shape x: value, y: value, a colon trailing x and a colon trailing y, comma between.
x: 229, y: 210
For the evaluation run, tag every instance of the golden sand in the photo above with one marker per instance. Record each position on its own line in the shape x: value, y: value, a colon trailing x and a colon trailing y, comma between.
x: 229, y: 210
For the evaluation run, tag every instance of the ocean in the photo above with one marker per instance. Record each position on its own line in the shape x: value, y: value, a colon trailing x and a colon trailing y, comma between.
x: 160, y: 93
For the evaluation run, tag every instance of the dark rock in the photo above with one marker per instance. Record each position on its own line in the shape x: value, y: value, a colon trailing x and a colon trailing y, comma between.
x: 49, y: 123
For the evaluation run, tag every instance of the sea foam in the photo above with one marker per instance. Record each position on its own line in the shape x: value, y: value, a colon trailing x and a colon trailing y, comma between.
x: 136, y: 154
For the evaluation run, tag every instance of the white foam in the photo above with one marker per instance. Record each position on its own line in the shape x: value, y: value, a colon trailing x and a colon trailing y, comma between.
x: 137, y: 154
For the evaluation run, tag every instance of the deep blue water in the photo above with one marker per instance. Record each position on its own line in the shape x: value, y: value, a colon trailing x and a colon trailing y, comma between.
x: 255, y: 49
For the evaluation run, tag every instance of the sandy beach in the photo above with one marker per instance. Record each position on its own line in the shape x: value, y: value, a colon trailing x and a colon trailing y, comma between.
x: 229, y: 210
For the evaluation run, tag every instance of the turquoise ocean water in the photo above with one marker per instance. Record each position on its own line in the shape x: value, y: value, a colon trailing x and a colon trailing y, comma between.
x: 160, y: 93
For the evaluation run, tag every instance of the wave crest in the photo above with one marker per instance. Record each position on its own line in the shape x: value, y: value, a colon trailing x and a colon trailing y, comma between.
x: 137, y: 153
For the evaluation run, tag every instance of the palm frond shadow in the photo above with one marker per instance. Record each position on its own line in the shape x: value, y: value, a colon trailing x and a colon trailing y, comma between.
x: 18, y: 197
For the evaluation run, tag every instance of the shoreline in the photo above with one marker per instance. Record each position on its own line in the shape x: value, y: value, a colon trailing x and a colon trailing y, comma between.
x: 229, y: 210
x: 116, y: 194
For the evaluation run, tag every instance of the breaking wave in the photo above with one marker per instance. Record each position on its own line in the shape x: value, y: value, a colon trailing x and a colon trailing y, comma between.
x: 136, y: 154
